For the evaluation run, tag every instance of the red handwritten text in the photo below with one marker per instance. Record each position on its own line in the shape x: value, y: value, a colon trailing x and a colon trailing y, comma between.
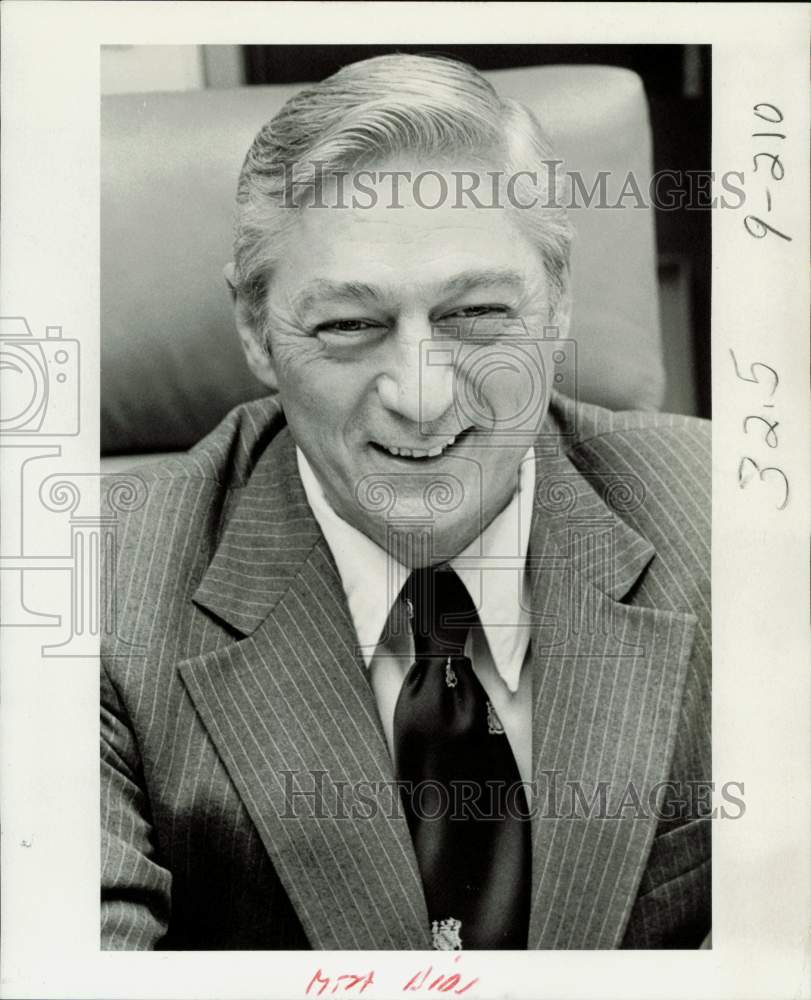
x: 347, y: 982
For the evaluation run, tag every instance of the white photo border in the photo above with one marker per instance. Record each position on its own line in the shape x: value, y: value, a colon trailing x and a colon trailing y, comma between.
x: 762, y: 690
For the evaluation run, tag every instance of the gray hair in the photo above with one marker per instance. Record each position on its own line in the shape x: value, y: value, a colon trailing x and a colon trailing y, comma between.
x: 368, y: 111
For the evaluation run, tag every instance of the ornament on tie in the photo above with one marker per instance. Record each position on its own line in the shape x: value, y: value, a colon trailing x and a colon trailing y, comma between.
x: 445, y: 934
x: 494, y: 724
x: 450, y: 674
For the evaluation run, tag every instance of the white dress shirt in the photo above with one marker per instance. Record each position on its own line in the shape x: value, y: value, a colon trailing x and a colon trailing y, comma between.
x: 492, y: 568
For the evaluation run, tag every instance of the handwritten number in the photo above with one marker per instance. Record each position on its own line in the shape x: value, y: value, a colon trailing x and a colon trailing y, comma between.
x: 770, y: 437
x: 766, y: 118
x: 752, y: 367
x: 784, y: 478
x: 776, y: 165
x: 748, y: 468
x: 743, y: 481
x: 751, y: 224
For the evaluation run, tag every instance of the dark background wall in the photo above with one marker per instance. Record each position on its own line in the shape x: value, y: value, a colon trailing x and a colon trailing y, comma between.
x: 677, y: 81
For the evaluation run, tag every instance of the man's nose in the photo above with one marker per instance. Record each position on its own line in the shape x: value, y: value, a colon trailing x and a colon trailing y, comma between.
x: 418, y: 382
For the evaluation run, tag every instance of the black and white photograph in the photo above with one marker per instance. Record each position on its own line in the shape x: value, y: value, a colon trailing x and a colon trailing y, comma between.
x: 423, y: 515
x: 412, y: 650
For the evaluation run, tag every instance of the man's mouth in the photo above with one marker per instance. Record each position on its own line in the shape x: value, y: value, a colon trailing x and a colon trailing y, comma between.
x: 421, y: 454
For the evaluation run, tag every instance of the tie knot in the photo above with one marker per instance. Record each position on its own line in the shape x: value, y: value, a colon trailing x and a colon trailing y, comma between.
x: 441, y: 611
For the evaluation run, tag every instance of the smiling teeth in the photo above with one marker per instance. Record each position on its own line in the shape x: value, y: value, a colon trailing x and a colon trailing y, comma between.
x: 421, y: 452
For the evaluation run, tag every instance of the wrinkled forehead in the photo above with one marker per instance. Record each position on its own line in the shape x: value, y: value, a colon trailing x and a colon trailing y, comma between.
x: 407, y: 255
x: 437, y: 210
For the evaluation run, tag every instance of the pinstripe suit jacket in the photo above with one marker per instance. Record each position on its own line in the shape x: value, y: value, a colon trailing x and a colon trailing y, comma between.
x: 233, y: 678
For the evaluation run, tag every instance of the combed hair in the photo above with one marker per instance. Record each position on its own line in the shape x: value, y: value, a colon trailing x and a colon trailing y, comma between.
x: 369, y: 111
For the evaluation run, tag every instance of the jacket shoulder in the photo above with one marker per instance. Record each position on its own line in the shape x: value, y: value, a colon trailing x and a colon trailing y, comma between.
x: 168, y: 515
x: 222, y: 461
x: 581, y: 423
x: 226, y: 455
x: 658, y: 468
x: 669, y: 452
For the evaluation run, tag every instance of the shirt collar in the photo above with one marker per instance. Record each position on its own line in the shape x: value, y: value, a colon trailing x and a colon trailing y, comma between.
x: 492, y: 568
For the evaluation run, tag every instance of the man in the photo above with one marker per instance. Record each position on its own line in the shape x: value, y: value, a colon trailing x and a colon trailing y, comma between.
x: 413, y: 652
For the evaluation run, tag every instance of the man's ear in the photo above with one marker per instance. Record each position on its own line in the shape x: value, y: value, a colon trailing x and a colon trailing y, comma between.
x: 257, y: 353
x: 563, y: 311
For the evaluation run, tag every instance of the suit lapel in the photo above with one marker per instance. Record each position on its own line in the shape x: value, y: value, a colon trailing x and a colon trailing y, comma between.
x: 293, y: 717
x: 607, y: 687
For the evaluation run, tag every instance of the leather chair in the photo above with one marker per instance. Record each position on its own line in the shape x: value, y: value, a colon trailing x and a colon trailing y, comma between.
x: 172, y: 365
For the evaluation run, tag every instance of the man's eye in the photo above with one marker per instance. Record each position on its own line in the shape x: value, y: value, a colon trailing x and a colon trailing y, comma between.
x: 471, y: 312
x: 346, y: 326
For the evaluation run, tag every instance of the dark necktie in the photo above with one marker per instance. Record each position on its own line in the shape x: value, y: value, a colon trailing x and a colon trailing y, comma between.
x: 462, y: 794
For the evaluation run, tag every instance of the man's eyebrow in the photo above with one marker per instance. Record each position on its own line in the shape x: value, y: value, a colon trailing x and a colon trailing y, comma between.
x: 322, y: 288
x: 470, y: 280
x: 355, y: 291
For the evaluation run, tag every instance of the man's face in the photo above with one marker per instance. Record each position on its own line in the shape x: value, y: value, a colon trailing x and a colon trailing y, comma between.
x: 405, y: 344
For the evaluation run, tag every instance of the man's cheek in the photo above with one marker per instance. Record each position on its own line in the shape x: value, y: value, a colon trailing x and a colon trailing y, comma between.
x: 298, y: 358
x: 288, y: 338
x: 505, y: 396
